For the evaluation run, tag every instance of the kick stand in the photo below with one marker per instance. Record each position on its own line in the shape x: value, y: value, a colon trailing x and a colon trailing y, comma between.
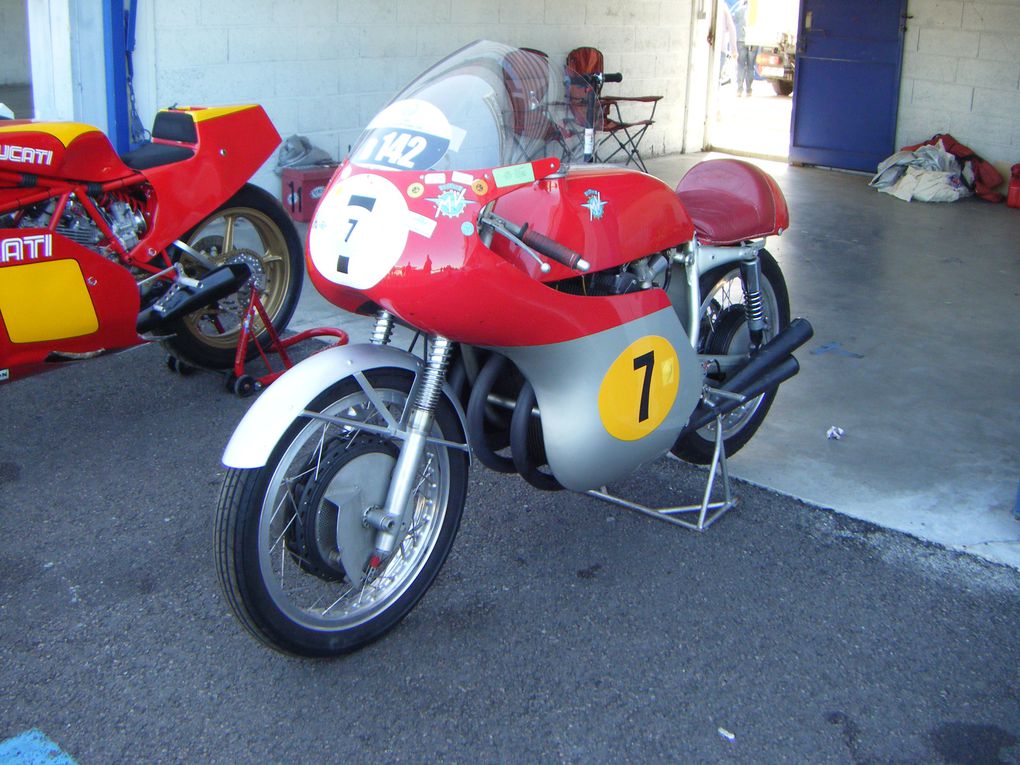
x: 708, y: 511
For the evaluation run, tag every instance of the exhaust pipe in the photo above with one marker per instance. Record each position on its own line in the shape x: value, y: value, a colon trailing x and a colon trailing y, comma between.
x: 767, y: 369
x: 183, y: 299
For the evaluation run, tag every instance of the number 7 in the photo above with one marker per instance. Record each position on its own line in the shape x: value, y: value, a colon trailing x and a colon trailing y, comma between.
x: 646, y: 360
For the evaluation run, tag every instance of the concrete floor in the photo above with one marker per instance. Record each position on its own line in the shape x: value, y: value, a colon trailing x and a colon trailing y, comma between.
x: 914, y: 357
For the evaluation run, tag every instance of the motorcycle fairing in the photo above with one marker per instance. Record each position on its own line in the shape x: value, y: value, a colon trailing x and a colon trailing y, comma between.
x: 613, y: 400
x: 385, y: 239
x: 60, y: 301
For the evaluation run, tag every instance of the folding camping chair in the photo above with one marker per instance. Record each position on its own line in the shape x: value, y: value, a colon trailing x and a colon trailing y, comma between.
x: 526, y: 78
x: 627, y: 134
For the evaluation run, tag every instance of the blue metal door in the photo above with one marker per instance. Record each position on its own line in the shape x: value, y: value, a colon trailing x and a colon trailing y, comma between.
x: 847, y: 82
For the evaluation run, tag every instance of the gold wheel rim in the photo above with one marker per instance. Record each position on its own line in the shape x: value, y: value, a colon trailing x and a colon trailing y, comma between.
x: 232, y: 230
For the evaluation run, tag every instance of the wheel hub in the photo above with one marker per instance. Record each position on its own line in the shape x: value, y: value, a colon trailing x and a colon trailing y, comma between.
x: 329, y: 537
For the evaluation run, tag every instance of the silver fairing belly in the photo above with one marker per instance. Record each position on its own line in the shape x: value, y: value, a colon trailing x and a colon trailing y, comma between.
x: 582, y: 385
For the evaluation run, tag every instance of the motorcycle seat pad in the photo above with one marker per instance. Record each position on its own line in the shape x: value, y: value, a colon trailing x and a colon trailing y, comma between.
x: 732, y: 201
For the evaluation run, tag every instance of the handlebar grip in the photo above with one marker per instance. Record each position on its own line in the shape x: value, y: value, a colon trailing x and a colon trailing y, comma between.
x: 612, y: 77
x: 554, y: 250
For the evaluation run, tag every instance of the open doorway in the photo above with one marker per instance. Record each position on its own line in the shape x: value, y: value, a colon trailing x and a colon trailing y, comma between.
x: 15, y: 63
x: 750, y: 99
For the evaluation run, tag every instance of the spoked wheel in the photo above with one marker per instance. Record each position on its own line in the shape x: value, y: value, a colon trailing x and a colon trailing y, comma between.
x: 252, y: 228
x: 724, y: 332
x: 293, y: 552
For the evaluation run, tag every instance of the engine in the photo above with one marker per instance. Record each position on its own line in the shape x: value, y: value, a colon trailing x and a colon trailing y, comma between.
x: 641, y: 274
x: 121, y: 214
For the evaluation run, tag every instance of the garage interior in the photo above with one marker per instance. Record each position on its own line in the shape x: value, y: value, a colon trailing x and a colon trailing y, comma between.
x: 913, y: 304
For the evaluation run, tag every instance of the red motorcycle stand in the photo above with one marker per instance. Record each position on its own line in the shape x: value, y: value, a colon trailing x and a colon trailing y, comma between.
x: 241, y: 383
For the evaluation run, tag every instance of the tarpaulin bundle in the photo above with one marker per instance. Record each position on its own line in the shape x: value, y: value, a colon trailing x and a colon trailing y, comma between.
x: 927, y: 174
x: 979, y: 174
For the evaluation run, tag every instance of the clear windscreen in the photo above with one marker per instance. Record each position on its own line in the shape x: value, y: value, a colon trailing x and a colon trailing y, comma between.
x: 486, y: 105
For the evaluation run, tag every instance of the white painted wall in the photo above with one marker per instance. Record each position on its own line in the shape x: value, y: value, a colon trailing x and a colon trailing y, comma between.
x: 961, y: 75
x: 322, y: 68
x: 14, y: 60
x: 68, y: 69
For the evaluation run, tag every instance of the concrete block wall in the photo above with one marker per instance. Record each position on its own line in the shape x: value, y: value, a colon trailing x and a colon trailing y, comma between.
x: 322, y: 68
x: 961, y: 75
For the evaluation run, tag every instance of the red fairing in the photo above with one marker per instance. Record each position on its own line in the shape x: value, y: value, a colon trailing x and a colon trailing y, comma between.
x: 113, y: 295
x: 448, y: 282
x: 231, y: 148
x: 731, y: 201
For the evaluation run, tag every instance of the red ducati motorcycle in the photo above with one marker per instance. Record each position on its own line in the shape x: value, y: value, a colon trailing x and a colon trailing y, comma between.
x: 578, y: 320
x: 100, y: 252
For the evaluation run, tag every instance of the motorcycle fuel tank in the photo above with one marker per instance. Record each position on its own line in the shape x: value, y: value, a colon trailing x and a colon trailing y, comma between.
x: 58, y: 149
x: 609, y: 214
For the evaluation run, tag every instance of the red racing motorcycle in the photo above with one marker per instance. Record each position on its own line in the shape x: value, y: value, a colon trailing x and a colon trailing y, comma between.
x: 100, y: 252
x: 579, y: 321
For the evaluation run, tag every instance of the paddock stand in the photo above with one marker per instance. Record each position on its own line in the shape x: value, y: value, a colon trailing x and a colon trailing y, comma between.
x: 238, y: 381
x: 708, y: 512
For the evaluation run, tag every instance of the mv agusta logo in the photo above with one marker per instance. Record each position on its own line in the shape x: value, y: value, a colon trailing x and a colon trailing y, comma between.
x: 25, y: 155
x: 22, y: 249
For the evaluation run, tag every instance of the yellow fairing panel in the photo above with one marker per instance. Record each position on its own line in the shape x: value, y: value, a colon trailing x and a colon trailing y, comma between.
x: 46, y: 301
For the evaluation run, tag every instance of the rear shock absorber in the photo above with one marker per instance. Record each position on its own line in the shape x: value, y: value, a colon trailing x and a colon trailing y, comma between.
x: 754, y: 305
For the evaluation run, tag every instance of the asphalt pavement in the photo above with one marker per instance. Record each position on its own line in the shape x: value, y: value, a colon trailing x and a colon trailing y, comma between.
x: 560, y: 630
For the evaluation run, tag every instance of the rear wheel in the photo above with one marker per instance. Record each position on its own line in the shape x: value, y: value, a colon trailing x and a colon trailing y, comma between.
x: 291, y: 545
x: 782, y: 87
x: 251, y: 227
x: 724, y: 332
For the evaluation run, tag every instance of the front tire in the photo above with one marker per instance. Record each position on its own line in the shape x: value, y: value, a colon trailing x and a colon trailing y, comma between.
x: 724, y: 331
x: 284, y: 533
x: 252, y: 227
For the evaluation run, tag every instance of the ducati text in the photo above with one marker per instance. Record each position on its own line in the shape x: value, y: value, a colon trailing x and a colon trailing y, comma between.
x: 26, y: 155
x: 22, y: 249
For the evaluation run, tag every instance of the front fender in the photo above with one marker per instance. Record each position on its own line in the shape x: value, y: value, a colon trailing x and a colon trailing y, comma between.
x: 281, y: 403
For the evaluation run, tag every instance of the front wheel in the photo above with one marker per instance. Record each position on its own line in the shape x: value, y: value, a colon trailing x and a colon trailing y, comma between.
x: 724, y: 332
x: 250, y: 227
x: 290, y: 538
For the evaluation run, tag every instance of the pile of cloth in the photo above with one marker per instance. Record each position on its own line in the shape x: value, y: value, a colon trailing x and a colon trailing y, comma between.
x: 939, y: 170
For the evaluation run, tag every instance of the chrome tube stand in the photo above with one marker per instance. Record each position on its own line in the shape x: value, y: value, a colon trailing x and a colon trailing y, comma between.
x: 708, y: 512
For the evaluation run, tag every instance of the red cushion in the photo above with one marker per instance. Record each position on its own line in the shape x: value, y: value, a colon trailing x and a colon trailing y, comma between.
x: 730, y: 201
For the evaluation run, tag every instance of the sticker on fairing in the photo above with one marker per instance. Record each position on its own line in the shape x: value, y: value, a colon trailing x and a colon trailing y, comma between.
x: 360, y: 230
x: 639, y: 388
x: 407, y: 135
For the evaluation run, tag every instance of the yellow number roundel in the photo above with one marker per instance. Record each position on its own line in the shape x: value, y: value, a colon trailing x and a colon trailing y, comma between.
x: 639, y: 389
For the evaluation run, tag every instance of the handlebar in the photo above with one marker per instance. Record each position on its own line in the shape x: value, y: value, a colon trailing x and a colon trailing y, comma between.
x: 533, y: 242
x: 553, y: 249
x: 595, y: 78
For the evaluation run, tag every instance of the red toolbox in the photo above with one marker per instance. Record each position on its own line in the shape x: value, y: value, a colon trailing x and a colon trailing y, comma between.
x: 303, y: 187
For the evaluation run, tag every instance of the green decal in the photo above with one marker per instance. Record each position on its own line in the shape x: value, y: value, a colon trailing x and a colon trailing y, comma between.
x: 514, y: 174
